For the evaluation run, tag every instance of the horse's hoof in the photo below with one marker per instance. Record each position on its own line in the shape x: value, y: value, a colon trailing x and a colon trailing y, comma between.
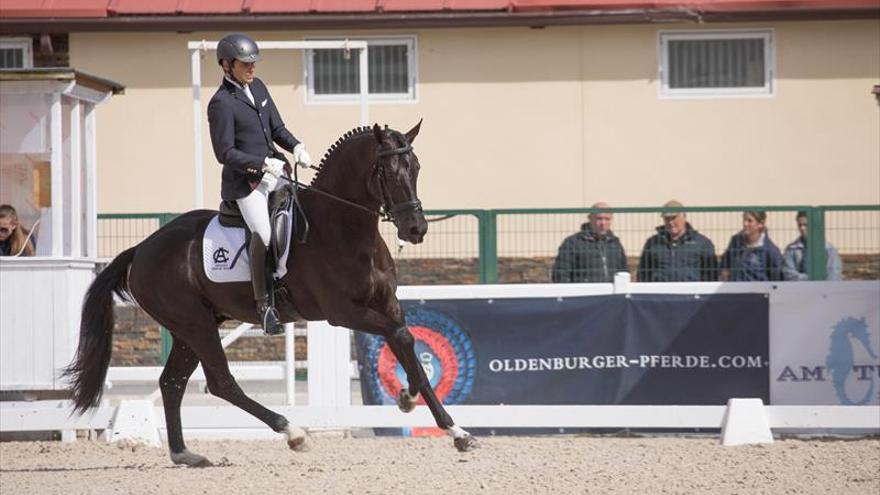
x: 190, y: 459
x: 466, y: 444
x: 299, y: 445
x: 406, y: 402
x: 297, y: 440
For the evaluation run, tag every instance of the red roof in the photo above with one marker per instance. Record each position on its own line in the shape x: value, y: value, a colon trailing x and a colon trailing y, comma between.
x: 90, y: 9
x: 53, y: 8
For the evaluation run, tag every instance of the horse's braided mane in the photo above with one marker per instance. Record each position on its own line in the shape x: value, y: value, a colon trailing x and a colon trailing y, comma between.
x: 356, y: 132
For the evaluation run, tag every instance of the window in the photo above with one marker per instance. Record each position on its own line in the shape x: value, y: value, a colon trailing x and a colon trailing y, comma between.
x: 725, y: 63
x: 15, y: 53
x: 333, y: 75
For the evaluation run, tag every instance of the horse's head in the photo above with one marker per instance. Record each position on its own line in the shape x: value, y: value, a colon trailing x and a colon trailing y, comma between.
x: 397, y: 172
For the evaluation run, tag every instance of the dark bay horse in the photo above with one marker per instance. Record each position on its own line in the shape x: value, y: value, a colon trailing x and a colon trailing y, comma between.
x: 343, y: 273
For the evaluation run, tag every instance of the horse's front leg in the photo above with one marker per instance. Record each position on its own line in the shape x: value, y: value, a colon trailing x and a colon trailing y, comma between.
x: 402, y: 344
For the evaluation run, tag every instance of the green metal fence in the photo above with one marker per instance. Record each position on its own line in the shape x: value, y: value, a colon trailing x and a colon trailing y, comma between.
x: 537, y: 235
x: 120, y: 231
x: 520, y: 245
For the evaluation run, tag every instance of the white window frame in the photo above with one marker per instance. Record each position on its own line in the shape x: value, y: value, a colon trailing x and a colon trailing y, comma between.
x: 25, y: 44
x: 411, y: 96
x: 767, y: 91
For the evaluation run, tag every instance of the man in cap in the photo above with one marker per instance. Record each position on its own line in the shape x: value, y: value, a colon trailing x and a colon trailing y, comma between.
x: 245, y: 126
x: 677, y: 252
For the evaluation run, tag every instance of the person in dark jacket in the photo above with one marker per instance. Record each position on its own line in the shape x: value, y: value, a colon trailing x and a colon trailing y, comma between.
x: 245, y: 126
x: 677, y: 252
x: 592, y: 255
x: 751, y: 256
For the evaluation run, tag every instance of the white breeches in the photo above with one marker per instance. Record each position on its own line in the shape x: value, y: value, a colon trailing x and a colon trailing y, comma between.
x: 255, y: 208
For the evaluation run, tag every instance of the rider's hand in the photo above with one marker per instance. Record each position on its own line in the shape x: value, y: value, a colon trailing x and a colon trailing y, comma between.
x: 274, y: 166
x: 301, y: 156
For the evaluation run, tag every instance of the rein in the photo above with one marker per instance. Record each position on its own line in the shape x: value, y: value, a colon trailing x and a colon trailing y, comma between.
x: 307, y: 187
x: 386, y: 213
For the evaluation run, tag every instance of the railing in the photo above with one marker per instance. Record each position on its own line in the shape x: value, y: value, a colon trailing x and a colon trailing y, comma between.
x: 329, y: 403
x: 519, y: 245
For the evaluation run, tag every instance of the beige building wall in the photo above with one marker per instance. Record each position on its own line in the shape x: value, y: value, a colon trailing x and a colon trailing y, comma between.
x: 519, y: 117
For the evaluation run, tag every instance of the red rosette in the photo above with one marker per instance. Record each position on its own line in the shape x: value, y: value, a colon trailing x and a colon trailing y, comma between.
x: 440, y: 347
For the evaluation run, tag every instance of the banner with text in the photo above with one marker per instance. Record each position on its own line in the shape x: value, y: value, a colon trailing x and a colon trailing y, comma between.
x: 615, y: 349
x: 826, y: 345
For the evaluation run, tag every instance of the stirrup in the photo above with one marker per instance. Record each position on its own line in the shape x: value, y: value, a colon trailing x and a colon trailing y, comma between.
x: 268, y: 316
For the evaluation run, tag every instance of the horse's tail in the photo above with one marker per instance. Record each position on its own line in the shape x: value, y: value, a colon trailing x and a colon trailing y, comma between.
x: 88, y: 370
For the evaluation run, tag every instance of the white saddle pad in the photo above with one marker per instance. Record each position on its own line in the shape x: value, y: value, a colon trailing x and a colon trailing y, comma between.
x: 225, y: 254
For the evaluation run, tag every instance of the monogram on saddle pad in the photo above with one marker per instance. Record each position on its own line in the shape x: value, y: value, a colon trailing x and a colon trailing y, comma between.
x: 224, y: 244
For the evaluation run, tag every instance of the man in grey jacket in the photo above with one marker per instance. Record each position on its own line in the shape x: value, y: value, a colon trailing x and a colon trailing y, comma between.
x: 794, y: 260
x: 592, y: 255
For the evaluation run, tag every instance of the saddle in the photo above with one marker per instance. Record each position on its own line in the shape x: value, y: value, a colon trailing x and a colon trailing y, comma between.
x: 285, y: 216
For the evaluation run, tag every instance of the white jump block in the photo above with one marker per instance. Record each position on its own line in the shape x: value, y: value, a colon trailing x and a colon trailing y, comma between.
x: 745, y: 422
x: 135, y: 421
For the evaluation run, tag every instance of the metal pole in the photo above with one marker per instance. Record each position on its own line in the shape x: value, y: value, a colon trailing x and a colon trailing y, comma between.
x: 289, y: 364
x: 195, y: 57
x: 488, y: 246
x: 364, y: 85
x: 816, y: 244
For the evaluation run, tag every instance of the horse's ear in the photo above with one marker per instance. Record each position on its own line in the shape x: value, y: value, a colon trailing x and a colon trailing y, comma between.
x: 411, y: 135
x: 377, y: 131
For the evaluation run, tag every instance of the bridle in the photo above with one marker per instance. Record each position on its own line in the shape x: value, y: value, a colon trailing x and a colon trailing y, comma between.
x: 388, y: 210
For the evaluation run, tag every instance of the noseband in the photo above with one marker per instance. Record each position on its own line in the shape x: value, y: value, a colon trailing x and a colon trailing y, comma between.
x: 390, y: 211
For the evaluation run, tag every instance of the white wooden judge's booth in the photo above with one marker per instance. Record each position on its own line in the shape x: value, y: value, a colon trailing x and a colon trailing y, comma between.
x: 47, y: 173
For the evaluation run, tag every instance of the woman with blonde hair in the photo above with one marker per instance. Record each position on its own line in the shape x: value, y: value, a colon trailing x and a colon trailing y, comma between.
x: 14, y: 239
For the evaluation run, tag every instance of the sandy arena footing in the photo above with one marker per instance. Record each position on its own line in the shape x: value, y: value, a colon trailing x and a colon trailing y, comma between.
x: 561, y: 464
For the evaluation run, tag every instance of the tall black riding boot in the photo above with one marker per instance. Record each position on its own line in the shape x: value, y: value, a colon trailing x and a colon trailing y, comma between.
x: 266, y: 313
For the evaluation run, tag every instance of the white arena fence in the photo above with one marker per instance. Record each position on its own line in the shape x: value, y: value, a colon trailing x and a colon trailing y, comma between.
x: 330, y: 372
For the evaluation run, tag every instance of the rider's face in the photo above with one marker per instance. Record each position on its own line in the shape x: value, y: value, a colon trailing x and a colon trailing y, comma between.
x: 243, y: 71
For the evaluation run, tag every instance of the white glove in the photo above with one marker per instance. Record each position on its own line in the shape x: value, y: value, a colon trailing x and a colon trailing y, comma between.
x: 301, y: 156
x: 274, y: 166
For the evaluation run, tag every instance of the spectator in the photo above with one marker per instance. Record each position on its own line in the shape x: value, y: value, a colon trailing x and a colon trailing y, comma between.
x: 751, y: 256
x: 592, y: 255
x: 795, y: 257
x: 677, y: 252
x: 14, y: 239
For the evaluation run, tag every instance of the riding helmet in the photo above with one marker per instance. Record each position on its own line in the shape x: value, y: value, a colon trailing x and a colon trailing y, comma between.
x: 239, y: 47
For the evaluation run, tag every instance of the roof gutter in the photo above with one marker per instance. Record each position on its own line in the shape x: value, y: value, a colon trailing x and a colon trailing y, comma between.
x: 287, y: 22
x: 85, y: 79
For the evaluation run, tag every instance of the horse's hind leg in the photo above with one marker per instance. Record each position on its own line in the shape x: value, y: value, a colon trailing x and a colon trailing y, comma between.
x: 222, y: 384
x: 180, y: 366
